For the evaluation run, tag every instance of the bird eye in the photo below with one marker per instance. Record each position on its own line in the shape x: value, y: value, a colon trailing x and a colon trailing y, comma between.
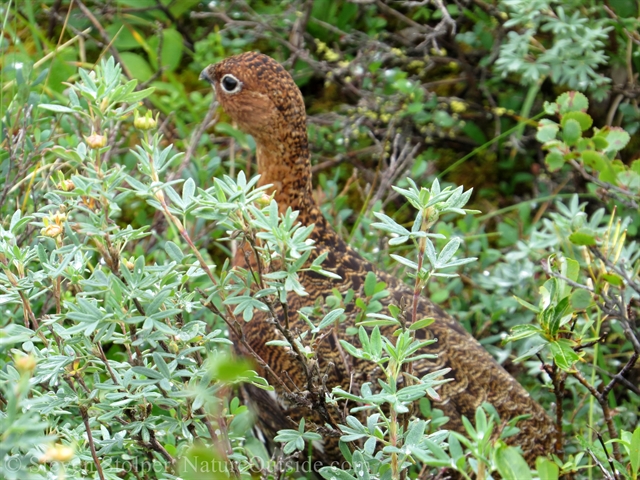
x: 230, y: 84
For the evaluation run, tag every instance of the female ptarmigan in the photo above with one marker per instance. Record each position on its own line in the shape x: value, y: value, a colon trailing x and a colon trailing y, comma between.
x: 262, y: 98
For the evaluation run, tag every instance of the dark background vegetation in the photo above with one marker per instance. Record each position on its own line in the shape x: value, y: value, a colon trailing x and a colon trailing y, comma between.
x: 422, y: 89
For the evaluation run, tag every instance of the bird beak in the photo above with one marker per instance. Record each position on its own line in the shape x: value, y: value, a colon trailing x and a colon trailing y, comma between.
x: 205, y: 76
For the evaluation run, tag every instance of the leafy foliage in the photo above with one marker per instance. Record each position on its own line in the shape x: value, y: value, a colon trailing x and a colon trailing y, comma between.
x: 116, y: 294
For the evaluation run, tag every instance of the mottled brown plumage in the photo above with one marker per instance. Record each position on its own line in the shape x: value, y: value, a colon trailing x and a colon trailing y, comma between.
x: 260, y: 95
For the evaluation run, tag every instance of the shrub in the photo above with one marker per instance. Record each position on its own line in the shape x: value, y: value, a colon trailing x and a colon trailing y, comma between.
x: 115, y: 289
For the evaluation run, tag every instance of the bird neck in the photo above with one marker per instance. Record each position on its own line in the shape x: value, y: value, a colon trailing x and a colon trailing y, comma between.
x: 284, y: 163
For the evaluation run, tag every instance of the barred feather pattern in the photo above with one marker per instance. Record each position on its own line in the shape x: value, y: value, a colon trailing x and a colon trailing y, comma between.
x: 270, y: 107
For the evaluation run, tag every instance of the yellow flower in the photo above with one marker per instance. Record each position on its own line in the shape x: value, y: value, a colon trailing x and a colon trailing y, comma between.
x: 264, y: 200
x: 145, y: 123
x: 58, y: 217
x: 331, y: 56
x: 25, y: 363
x: 53, y: 226
x: 58, y: 453
x: 96, y: 141
x: 458, y: 106
x: 66, y: 185
x: 51, y: 231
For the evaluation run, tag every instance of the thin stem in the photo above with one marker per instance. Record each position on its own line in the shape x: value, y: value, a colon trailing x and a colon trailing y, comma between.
x: 559, y: 378
x: 606, y: 411
x: 157, y: 446
x: 92, y: 446
x: 393, y: 438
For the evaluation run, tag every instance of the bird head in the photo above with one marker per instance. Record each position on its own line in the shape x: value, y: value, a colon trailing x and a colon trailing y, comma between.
x: 258, y: 94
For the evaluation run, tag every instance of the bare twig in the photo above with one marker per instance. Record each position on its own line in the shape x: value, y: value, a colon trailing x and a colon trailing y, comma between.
x: 622, y: 196
x: 92, y: 446
x: 551, y: 273
x: 105, y: 37
x: 606, y: 411
x: 399, y: 161
x: 210, y: 119
x: 604, y: 471
x: 620, y: 375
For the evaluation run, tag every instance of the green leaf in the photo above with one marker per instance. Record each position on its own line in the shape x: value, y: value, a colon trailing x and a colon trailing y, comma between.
x: 613, y: 279
x: 481, y: 421
x: 137, y: 66
x: 582, y: 118
x: 172, y: 47
x: 547, y: 130
x: 174, y: 251
x: 376, y: 342
x: 425, y: 322
x: 563, y: 354
x: 529, y: 353
x: 17, y: 221
x: 527, y: 305
x: 163, y: 368
x: 600, y: 142
x: 550, y: 108
x: 580, y: 299
x: 201, y: 454
x: 330, y: 318
x: 56, y: 108
x: 571, y: 269
x: 227, y: 129
x: 351, y: 350
x: 374, y: 319
x: 455, y: 449
x: 593, y: 159
x: 474, y: 132
x: 147, y: 372
x: 572, y: 102
x: 179, y: 8
x: 617, y: 138
x: 370, y: 284
x: 331, y: 473
x: 511, y: 465
x: 443, y: 119
x: 547, y: 470
x: 226, y: 368
x: 125, y: 39
x: 634, y: 451
x: 360, y: 466
x: 522, y: 331
x: 134, y: 97
x: 188, y: 190
x: 583, y: 236
x: 571, y: 131
x: 437, y: 451
x: 554, y: 160
x: 608, y: 174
